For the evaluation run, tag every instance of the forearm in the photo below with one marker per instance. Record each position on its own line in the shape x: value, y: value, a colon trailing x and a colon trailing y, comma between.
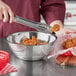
x: 53, y: 10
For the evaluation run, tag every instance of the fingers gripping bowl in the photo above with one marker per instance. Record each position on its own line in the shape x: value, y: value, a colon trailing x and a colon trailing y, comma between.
x: 30, y: 52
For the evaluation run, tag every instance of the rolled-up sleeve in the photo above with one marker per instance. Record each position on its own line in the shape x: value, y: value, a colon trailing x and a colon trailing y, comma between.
x: 53, y: 10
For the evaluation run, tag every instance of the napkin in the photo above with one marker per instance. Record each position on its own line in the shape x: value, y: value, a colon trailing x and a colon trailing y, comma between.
x: 8, y: 69
x: 58, y: 44
x: 5, y: 67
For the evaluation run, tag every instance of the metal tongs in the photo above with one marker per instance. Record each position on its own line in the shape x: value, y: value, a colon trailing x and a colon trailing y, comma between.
x: 38, y: 26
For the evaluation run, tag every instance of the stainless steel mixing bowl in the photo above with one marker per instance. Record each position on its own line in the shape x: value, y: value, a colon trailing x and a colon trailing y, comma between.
x: 33, y: 52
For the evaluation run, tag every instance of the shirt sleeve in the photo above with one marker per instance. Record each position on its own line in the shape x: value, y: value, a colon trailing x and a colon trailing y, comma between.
x: 53, y: 10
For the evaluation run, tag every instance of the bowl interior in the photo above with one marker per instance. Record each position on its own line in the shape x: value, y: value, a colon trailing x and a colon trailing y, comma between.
x: 17, y: 37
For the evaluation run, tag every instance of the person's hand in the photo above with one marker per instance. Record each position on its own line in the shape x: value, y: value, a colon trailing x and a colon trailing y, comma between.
x: 6, y: 12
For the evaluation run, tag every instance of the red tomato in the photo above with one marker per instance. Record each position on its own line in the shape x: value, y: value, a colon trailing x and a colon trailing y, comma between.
x: 4, y: 59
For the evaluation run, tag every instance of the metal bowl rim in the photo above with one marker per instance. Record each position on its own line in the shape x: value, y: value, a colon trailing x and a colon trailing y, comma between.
x: 30, y: 45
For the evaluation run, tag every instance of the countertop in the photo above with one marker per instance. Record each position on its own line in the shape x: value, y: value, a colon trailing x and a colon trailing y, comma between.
x: 36, y: 68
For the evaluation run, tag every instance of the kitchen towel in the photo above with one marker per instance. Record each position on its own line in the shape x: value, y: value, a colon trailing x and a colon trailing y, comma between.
x: 8, y: 69
x: 5, y: 67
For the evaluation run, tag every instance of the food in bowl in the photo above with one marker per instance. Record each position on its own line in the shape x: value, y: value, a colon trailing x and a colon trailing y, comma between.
x: 67, y: 58
x: 33, y: 41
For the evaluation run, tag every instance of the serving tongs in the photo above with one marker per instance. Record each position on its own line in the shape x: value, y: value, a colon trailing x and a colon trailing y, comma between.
x: 38, y: 26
